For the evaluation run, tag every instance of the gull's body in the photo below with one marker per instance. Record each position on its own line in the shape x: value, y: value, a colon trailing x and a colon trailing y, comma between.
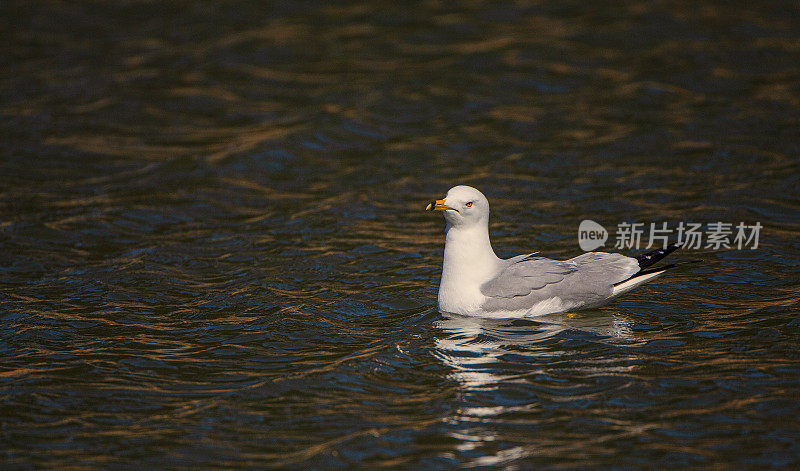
x: 475, y: 282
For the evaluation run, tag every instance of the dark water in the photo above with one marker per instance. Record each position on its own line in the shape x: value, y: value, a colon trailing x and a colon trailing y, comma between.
x: 214, y: 252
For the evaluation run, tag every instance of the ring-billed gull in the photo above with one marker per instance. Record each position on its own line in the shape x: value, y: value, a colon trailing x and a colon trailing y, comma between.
x: 475, y: 282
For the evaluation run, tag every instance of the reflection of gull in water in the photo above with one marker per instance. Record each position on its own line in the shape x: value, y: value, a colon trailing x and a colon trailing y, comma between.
x: 474, y: 347
x: 486, y: 354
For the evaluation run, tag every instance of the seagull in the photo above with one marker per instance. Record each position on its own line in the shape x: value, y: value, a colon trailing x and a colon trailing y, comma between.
x: 476, y: 282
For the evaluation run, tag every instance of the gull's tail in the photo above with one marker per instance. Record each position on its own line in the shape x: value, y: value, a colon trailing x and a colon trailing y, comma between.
x: 645, y: 273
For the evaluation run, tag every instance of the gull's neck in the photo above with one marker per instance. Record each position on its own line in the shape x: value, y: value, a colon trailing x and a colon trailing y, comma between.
x: 469, y: 261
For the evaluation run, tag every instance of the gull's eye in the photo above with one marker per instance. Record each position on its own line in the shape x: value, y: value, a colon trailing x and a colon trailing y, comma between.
x: 469, y: 205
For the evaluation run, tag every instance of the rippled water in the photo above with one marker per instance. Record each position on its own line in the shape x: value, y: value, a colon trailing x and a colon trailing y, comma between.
x: 214, y: 252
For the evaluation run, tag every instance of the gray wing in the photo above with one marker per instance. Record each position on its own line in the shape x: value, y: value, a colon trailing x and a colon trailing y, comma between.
x: 609, y: 268
x: 586, y: 279
x: 528, y: 274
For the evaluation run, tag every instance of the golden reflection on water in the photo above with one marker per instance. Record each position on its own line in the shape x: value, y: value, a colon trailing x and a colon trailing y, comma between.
x: 222, y: 205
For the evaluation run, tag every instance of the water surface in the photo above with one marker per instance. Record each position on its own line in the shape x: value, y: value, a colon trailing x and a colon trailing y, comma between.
x: 214, y: 253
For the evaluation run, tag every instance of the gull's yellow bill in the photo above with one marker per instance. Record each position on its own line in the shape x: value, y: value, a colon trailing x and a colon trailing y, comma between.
x: 437, y: 205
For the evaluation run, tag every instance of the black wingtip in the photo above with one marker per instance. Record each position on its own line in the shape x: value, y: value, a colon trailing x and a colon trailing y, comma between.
x: 647, y: 259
